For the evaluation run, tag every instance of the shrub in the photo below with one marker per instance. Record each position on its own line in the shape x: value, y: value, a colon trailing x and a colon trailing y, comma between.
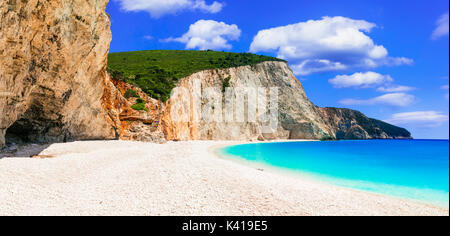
x: 131, y: 93
x: 327, y: 138
x: 226, y: 84
x: 139, y: 107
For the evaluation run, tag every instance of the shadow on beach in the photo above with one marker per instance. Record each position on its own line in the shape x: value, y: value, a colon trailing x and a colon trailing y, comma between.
x: 22, y: 150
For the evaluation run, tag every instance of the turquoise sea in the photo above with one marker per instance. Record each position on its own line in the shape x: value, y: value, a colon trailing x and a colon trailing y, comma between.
x: 413, y: 169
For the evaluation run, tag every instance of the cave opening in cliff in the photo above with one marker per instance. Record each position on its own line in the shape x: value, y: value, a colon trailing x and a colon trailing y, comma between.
x: 19, y: 133
x: 41, y: 123
x: 34, y: 131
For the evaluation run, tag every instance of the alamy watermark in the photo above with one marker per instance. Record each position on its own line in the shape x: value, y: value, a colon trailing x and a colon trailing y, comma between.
x: 229, y: 105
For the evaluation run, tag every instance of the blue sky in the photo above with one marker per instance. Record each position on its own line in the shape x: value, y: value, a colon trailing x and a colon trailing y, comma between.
x: 388, y: 59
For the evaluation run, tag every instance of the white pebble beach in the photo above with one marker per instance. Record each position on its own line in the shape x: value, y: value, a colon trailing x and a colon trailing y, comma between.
x: 177, y: 178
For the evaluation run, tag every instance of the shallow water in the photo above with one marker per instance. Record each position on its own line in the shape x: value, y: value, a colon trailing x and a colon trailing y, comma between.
x: 414, y: 169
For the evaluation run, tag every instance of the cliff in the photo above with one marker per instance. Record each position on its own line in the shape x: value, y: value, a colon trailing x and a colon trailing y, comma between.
x: 297, y: 118
x: 53, y: 70
x: 136, y: 124
x: 192, y: 114
x: 350, y: 124
x: 54, y: 87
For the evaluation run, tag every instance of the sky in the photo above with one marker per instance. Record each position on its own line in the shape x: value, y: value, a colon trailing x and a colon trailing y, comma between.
x: 387, y: 59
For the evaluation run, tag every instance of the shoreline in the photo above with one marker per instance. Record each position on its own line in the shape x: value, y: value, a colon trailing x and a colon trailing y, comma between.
x: 315, y: 177
x: 174, y: 179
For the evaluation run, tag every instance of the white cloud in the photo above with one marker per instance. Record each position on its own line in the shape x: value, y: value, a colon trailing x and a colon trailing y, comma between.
x: 329, y: 44
x: 423, y: 118
x: 369, y: 80
x: 148, y: 37
x: 360, y: 80
x: 445, y: 87
x: 398, y: 61
x: 208, y: 34
x: 390, y: 99
x: 307, y: 67
x: 158, y: 8
x: 395, y: 89
x: 442, y: 27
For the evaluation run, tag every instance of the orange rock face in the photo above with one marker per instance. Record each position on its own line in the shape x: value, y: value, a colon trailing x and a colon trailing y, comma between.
x: 131, y: 124
x: 52, y: 70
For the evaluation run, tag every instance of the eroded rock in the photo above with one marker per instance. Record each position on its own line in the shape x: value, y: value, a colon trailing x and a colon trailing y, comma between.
x: 131, y: 124
x: 52, y: 70
x: 298, y: 117
x: 295, y: 110
x: 350, y: 124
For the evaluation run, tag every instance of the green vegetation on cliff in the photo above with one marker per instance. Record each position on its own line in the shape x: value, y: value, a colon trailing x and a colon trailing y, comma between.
x: 157, y: 72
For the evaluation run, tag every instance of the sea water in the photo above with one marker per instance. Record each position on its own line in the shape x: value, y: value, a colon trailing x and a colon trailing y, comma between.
x: 413, y: 169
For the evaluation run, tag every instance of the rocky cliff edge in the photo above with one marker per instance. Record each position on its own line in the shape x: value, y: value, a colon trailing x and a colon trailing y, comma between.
x: 52, y: 70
